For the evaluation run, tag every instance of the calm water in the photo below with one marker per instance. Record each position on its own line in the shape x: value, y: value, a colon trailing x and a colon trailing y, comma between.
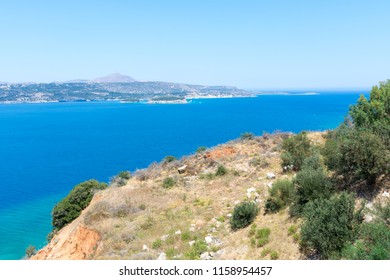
x: 46, y: 149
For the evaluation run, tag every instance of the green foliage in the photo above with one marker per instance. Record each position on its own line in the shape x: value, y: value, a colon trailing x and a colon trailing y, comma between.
x: 71, y: 206
x: 313, y: 162
x: 121, y: 179
x: 168, y: 159
x: 373, y: 114
x: 292, y: 230
x: 185, y: 236
x: 221, y: 170
x: 247, y: 136
x: 274, y: 255
x: 243, y: 215
x: 373, y: 243
x: 201, y: 149
x: 280, y: 195
x: 196, y: 249
x: 383, y: 212
x: 328, y: 224
x: 362, y: 156
x: 168, y: 183
x: 126, y: 175
x: 362, y: 151
x: 310, y: 184
x: 252, y: 229
x: 157, y: 244
x: 295, y: 149
x: 30, y: 251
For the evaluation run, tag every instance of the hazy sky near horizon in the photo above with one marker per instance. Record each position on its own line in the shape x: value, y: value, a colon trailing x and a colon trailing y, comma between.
x: 250, y: 44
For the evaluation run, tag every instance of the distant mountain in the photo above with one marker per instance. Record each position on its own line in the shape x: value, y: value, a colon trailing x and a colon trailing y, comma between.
x: 114, y: 78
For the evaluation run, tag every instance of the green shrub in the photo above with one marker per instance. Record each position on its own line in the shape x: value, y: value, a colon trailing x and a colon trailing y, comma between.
x: 157, y: 244
x: 310, y: 184
x: 295, y: 149
x: 262, y: 236
x: 168, y: 183
x: 328, y: 224
x: 280, y: 195
x: 373, y: 243
x: 360, y: 155
x: 221, y: 170
x: 197, y: 248
x: 292, y: 230
x: 77, y: 200
x: 263, y: 232
x: 265, y: 252
x: 247, y: 136
x: 383, y: 212
x: 201, y: 149
x: 313, y: 162
x: 252, y: 229
x: 126, y: 175
x: 30, y: 251
x: 373, y: 114
x: 274, y: 255
x: 243, y: 215
x: 185, y: 236
x: 168, y: 159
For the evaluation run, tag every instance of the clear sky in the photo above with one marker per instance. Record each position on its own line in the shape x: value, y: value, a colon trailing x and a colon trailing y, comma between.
x: 263, y: 44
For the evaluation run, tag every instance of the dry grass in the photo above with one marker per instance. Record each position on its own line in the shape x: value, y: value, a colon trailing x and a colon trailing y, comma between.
x: 143, y: 212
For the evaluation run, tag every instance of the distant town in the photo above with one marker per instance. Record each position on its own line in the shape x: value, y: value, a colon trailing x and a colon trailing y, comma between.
x: 115, y: 87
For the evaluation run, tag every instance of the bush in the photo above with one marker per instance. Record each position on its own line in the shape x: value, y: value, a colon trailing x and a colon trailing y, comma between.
x: 328, y: 224
x: 310, y: 184
x: 30, y: 251
x: 243, y: 215
x: 247, y: 136
x: 280, y: 195
x: 168, y: 159
x: 313, y: 162
x: 274, y: 255
x: 77, y: 200
x: 168, y: 183
x: 196, y: 249
x: 157, y: 244
x: 221, y: 171
x: 359, y: 155
x: 373, y: 243
x: 373, y: 114
x: 126, y: 175
x: 201, y: 149
x: 295, y: 149
x: 121, y: 179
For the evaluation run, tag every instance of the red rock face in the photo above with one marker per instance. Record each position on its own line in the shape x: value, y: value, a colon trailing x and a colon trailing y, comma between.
x: 220, y: 153
x: 77, y: 243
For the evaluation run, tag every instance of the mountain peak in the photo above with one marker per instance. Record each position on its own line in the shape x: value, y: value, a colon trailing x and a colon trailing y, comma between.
x: 114, y: 78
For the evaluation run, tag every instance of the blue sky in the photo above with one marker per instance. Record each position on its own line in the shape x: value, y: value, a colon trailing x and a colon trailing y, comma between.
x: 250, y: 44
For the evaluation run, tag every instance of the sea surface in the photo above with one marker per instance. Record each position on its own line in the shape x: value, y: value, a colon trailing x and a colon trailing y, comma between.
x: 46, y: 149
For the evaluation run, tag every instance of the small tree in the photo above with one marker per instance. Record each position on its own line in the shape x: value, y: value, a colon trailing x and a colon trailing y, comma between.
x: 328, y: 224
x: 71, y: 206
x: 243, y: 215
x: 310, y: 184
x: 280, y: 195
x: 295, y: 149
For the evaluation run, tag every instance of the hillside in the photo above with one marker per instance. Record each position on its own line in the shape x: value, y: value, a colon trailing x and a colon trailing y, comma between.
x: 127, y: 222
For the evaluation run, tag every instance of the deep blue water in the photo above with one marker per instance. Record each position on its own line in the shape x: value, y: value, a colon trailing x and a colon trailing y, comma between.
x: 46, y: 149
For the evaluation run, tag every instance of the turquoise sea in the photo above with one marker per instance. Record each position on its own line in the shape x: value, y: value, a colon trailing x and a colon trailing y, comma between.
x: 46, y: 149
